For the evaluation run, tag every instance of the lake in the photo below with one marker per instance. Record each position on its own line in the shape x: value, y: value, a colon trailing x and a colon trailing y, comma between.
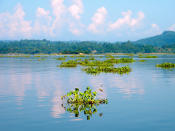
x: 30, y: 92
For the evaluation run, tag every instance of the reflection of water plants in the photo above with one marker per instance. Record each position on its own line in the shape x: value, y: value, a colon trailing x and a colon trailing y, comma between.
x: 166, y: 65
x: 86, y: 102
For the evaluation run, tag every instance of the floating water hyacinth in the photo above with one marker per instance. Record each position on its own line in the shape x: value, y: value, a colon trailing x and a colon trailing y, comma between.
x: 97, y: 70
x: 61, y: 58
x: 147, y: 56
x: 166, y: 65
x: 76, y: 102
x: 70, y: 63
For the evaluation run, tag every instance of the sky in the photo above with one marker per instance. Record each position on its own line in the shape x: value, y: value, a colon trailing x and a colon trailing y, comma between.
x: 92, y: 20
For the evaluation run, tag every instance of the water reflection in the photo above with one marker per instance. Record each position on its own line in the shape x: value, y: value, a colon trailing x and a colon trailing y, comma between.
x: 28, y: 79
x: 88, y: 110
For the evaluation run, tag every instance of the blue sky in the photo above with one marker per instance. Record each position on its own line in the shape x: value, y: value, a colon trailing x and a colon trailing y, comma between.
x: 102, y: 20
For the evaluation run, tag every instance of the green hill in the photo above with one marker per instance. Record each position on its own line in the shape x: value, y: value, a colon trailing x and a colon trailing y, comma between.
x: 166, y: 38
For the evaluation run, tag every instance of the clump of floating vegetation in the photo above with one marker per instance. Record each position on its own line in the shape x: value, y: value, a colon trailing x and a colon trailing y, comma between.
x: 91, y: 58
x: 94, y: 63
x: 77, y: 102
x: 97, y: 66
x: 109, y: 56
x: 141, y: 60
x: 42, y: 59
x: 122, y: 60
x: 86, y: 97
x: 130, y: 55
x: 146, y: 56
x: 61, y: 58
x: 166, y: 65
x: 70, y: 63
x: 37, y: 56
x: 107, y: 69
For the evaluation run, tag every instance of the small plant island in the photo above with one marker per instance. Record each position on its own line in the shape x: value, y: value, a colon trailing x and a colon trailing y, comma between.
x: 76, y: 102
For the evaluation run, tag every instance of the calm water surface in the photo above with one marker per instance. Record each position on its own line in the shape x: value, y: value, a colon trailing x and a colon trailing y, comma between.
x: 30, y: 90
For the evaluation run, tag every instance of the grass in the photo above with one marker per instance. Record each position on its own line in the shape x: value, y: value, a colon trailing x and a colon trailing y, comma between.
x: 166, y: 65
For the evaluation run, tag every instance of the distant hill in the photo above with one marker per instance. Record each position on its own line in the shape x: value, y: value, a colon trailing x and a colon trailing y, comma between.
x: 166, y: 38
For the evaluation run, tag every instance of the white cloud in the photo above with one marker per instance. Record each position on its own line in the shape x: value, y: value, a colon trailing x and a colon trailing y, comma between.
x: 59, y: 9
x: 97, y: 20
x: 172, y: 27
x: 14, y: 25
x: 74, y: 30
x: 42, y: 12
x: 155, y: 26
x: 76, y: 9
x: 43, y: 22
x: 127, y: 20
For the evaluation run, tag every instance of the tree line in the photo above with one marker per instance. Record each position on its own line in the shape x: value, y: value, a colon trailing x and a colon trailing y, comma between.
x: 76, y: 47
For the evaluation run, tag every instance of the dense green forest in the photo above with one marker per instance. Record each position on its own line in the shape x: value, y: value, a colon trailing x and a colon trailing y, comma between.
x: 75, y: 47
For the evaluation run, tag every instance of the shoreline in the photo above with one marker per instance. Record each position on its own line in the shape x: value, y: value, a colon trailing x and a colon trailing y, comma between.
x: 15, y: 54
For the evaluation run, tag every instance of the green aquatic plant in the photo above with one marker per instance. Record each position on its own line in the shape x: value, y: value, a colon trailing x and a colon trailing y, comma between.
x: 100, y: 69
x: 166, y: 65
x: 42, y: 59
x: 91, y: 58
x: 126, y: 60
x: 61, y: 58
x: 37, y: 56
x: 76, y: 102
x: 141, y: 60
x: 70, y: 63
x: 86, y: 62
x: 130, y: 55
x: 147, y: 56
x: 86, y: 97
x: 118, y: 61
x: 110, y: 56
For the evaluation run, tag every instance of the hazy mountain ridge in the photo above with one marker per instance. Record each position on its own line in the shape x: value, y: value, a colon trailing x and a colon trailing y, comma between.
x: 166, y: 38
